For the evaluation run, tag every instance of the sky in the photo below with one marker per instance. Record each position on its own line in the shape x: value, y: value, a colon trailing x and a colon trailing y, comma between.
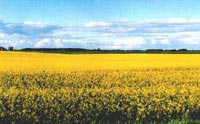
x: 105, y: 24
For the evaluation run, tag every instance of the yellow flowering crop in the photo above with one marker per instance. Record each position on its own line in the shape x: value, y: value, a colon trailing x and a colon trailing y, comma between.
x: 98, y: 88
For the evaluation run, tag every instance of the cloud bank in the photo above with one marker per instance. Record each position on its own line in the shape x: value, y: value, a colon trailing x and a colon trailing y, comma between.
x: 166, y: 34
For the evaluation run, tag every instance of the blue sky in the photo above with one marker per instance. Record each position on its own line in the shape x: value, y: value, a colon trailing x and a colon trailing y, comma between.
x: 106, y: 24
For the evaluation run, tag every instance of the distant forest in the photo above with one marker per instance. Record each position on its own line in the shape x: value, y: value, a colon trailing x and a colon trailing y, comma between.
x: 90, y: 51
x: 82, y: 50
x: 115, y: 50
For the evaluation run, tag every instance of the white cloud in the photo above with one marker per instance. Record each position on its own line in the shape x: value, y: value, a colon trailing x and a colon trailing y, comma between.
x: 187, y: 37
x: 2, y: 42
x: 165, y: 33
x: 97, y: 24
x: 59, y: 33
x: 58, y: 43
x: 128, y: 43
x: 164, y: 41
x: 14, y: 43
x: 157, y: 41
x: 174, y: 20
x: 43, y: 43
x: 2, y: 35
x: 71, y: 41
x: 46, y: 42
x: 191, y: 40
x: 153, y: 41
x: 39, y: 24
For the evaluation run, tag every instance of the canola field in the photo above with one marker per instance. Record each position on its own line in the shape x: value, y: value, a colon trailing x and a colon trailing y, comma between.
x: 98, y: 88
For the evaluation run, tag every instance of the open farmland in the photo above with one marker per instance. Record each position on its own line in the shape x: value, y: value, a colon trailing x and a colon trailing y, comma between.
x: 99, y: 88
